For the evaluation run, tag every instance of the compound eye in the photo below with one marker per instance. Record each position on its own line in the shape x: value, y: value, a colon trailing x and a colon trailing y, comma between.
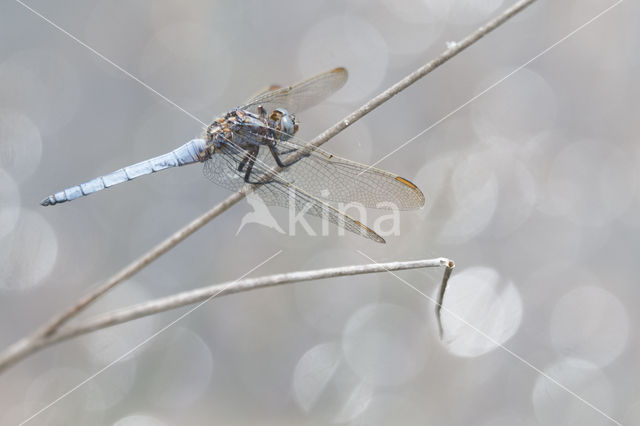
x: 287, y: 126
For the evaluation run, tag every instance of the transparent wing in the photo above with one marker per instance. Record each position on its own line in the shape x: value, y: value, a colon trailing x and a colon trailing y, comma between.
x: 263, y: 92
x: 333, y: 178
x: 301, y: 95
x: 222, y: 168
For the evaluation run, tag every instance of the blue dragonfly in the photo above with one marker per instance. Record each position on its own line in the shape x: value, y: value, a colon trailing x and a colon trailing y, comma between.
x: 255, y: 144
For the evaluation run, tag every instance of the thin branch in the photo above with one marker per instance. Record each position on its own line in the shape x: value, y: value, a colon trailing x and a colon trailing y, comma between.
x: 194, y: 296
x: 140, y: 263
x: 190, y: 297
x: 443, y: 288
x: 454, y: 49
x: 26, y: 344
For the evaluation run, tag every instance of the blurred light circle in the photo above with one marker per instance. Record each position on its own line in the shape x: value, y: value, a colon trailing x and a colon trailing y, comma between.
x: 550, y: 280
x: 474, y: 197
x: 555, y: 406
x: 82, y: 406
x: 518, y: 195
x: 516, y: 189
x: 590, y: 323
x: 139, y: 420
x: 419, y: 11
x: 392, y: 410
x: 324, y: 387
x: 20, y: 145
x: 350, y: 42
x: 356, y: 144
x: 327, y: 305
x: 539, y: 152
x: 35, y: 81
x: 130, y: 333
x: 479, y: 297
x: 313, y: 373
x: 516, y: 109
x: 385, y: 344
x: 470, y: 11
x: 411, y: 26
x: 190, y: 62
x: 28, y: 253
x: 591, y: 183
x: 631, y: 216
x: 434, y: 178
x: 182, y: 365
x: 104, y: 347
x: 9, y: 204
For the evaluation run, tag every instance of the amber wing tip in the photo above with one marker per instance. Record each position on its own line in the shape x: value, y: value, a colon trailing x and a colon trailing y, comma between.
x: 340, y: 70
x: 374, y: 235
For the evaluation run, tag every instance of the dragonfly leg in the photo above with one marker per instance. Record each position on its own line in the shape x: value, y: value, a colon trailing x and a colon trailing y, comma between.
x: 276, y: 156
x: 244, y: 162
x: 251, y: 156
x: 247, y: 174
x: 287, y: 151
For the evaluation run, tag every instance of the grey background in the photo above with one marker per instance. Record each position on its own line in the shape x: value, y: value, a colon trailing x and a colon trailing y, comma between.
x: 532, y: 189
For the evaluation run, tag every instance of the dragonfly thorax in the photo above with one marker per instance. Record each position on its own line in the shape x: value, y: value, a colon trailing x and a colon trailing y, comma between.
x: 245, y: 129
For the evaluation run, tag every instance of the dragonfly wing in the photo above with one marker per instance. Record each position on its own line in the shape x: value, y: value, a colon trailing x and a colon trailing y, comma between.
x: 263, y: 92
x: 333, y: 178
x: 222, y: 168
x: 301, y: 95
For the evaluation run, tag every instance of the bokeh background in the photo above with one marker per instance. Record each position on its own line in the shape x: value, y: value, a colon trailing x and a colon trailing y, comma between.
x: 532, y: 189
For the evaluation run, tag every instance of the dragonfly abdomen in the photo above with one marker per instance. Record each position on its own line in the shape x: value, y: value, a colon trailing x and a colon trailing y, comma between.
x: 191, y: 152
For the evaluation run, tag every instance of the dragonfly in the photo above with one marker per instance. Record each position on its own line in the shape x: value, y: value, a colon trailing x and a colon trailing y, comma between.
x: 256, y: 144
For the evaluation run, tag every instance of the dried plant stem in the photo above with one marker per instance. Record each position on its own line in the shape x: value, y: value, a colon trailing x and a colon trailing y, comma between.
x: 189, y: 297
x: 194, y: 296
x: 26, y: 345
x: 440, y: 301
x: 416, y: 75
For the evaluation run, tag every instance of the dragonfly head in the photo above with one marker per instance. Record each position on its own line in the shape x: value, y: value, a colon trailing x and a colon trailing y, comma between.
x: 284, y: 122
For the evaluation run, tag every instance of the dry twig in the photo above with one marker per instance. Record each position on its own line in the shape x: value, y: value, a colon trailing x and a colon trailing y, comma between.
x: 38, y: 339
x: 189, y: 297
